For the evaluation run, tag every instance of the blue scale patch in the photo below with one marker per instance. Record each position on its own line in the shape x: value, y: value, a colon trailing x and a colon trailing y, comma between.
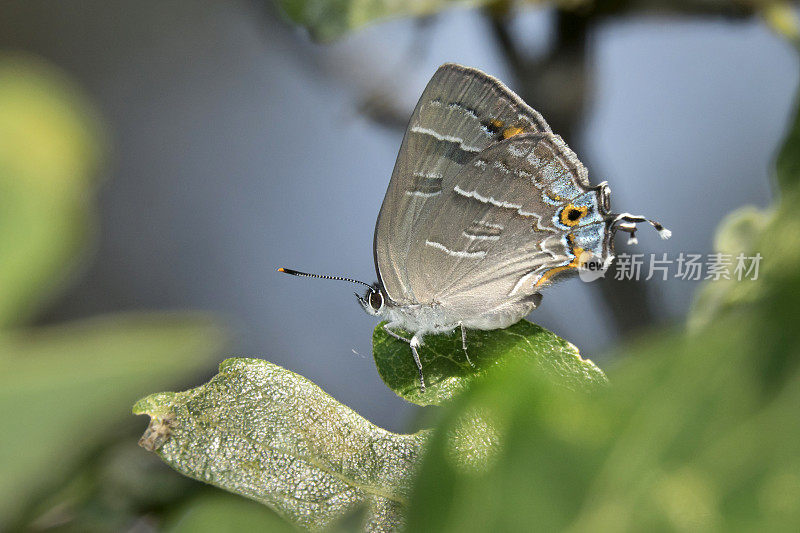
x: 589, y: 201
x: 590, y: 237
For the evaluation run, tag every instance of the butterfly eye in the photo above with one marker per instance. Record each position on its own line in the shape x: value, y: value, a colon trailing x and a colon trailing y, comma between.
x: 375, y: 300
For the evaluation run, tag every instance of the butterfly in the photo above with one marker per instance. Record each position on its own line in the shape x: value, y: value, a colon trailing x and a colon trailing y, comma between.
x: 485, y: 208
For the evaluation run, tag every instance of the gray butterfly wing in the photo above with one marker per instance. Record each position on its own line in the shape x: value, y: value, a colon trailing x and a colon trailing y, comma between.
x: 517, y: 216
x: 461, y: 112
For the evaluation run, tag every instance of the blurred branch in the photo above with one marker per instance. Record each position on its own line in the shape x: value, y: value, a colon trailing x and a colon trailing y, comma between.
x: 691, y: 8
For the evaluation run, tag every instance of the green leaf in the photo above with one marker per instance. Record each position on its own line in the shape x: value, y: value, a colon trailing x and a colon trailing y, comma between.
x: 329, y: 19
x: 447, y: 372
x: 63, y: 389
x: 268, y: 434
x: 222, y: 512
x: 49, y: 151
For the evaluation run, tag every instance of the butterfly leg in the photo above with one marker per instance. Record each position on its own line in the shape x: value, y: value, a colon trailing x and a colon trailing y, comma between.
x: 464, y: 343
x: 416, y: 342
x: 388, y: 329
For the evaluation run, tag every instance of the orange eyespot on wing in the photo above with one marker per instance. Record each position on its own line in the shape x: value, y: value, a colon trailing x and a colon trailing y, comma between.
x: 499, y: 128
x: 571, y: 215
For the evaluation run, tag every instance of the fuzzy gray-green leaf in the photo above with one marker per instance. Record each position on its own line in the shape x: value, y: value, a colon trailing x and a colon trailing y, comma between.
x: 447, y: 371
x: 261, y: 431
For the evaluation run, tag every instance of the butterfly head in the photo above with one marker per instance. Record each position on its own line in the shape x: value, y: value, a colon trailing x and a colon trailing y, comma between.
x: 373, y: 301
x: 627, y: 223
x: 623, y: 221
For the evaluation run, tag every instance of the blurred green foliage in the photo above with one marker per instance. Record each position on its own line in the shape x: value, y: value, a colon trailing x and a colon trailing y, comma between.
x: 788, y: 163
x: 50, y: 148
x: 226, y: 513
x: 739, y: 232
x: 65, y: 390
x: 447, y: 372
x: 688, y: 437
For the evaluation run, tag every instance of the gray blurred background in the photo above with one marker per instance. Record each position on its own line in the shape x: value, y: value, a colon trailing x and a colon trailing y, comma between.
x: 239, y: 146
